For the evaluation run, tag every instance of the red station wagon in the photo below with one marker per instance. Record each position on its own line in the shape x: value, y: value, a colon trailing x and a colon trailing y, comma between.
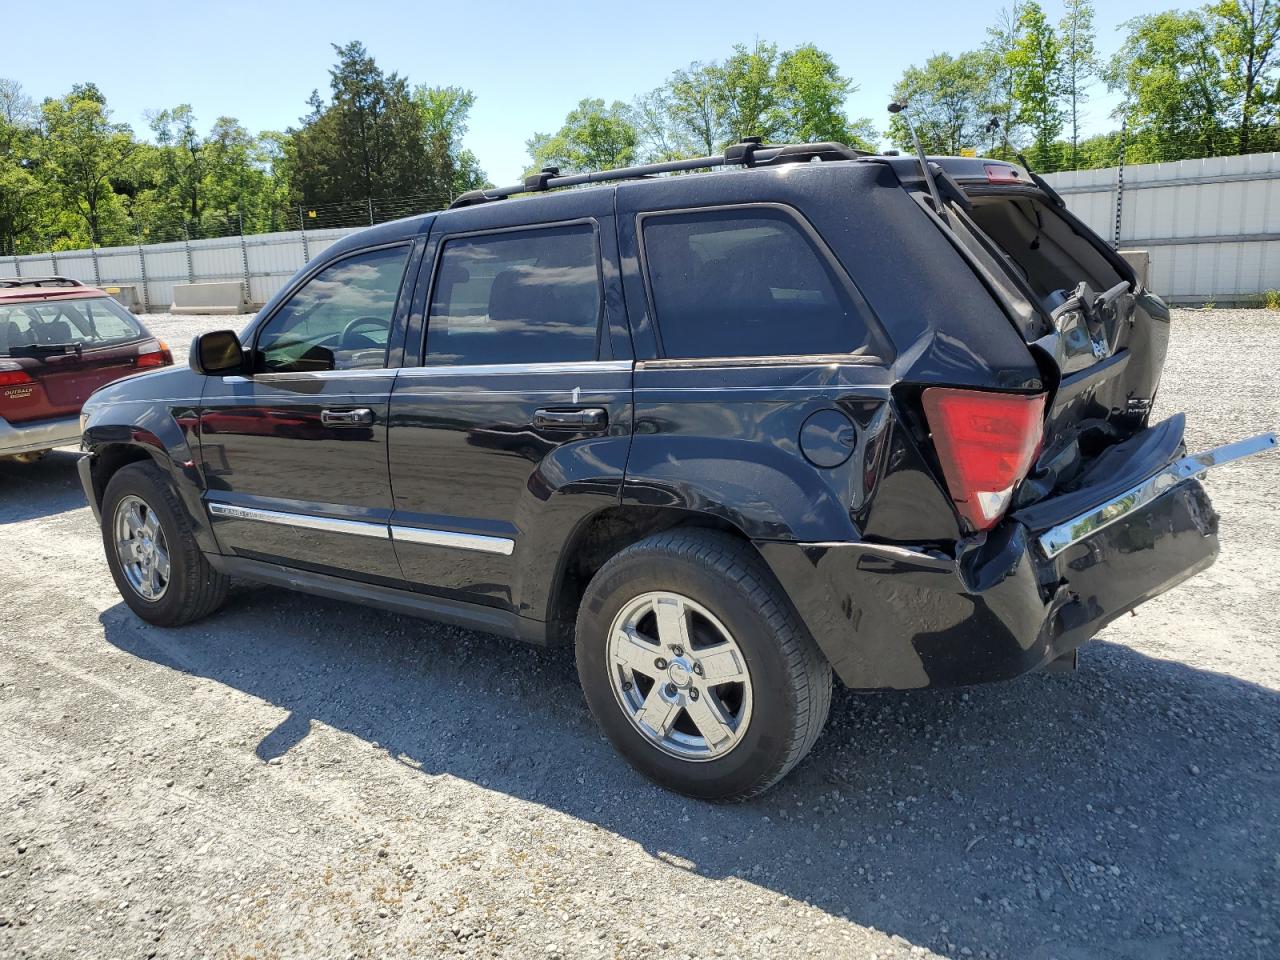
x: 59, y: 341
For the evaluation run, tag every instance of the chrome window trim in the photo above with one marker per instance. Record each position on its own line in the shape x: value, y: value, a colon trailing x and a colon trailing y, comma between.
x: 508, y: 369
x: 1065, y: 535
x: 460, y: 541
x: 359, y: 528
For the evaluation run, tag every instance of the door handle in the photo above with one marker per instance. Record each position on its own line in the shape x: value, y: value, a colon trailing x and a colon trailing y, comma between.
x: 346, y: 418
x: 581, y: 418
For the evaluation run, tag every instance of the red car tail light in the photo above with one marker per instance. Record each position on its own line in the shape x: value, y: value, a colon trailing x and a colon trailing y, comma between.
x: 11, y: 375
x: 153, y: 353
x: 986, y: 443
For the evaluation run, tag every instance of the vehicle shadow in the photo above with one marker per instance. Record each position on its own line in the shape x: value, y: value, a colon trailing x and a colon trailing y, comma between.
x: 1126, y: 810
x: 44, y: 488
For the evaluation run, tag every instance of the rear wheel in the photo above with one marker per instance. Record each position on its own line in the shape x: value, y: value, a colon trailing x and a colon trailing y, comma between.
x: 155, y: 561
x: 697, y: 668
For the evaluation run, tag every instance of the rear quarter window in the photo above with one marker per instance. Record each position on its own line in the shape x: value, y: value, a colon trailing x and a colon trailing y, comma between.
x: 748, y: 282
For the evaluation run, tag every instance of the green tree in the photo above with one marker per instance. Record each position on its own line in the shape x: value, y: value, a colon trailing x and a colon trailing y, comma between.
x: 1003, y: 127
x: 446, y: 112
x: 699, y: 114
x: 21, y: 197
x: 810, y: 101
x: 366, y: 143
x: 593, y: 137
x: 1036, y: 61
x: 1172, y: 84
x: 81, y: 151
x: 748, y: 93
x: 1079, y: 64
x: 1245, y: 34
x: 949, y: 100
x: 181, y: 150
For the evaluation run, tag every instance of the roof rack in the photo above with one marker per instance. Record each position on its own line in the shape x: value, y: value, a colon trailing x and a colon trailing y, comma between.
x: 750, y: 152
x: 50, y: 281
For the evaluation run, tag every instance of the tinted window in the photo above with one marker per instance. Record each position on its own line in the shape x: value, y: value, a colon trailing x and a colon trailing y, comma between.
x: 745, y: 283
x: 525, y: 297
x: 340, y: 319
x: 89, y: 323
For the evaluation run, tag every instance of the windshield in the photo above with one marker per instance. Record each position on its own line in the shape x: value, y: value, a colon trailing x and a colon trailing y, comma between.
x: 87, y: 323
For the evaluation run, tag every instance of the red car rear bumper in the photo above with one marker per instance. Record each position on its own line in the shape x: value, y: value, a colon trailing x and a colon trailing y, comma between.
x: 33, y: 435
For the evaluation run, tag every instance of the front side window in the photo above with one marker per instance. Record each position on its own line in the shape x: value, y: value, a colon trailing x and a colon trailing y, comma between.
x: 745, y: 283
x: 53, y: 324
x: 529, y: 296
x: 340, y: 319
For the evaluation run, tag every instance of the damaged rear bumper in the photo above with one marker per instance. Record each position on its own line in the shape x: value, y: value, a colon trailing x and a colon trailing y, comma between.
x: 1012, y: 602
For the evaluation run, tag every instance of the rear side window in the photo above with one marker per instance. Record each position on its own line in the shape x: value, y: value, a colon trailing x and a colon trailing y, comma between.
x: 88, y: 323
x: 529, y: 296
x: 745, y: 283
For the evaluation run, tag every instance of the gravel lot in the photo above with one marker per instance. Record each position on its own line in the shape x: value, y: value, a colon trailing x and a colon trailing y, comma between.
x: 297, y: 777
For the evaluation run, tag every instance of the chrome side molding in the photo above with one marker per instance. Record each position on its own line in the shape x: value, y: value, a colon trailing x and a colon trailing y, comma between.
x: 359, y: 528
x: 1055, y: 540
x: 448, y: 538
x: 362, y: 528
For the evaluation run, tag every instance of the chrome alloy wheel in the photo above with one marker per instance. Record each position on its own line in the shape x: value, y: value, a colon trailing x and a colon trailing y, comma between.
x: 141, y: 548
x: 679, y: 676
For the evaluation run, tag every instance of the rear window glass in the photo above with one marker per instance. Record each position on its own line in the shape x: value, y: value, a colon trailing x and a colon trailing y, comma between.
x: 746, y: 283
x: 87, y: 323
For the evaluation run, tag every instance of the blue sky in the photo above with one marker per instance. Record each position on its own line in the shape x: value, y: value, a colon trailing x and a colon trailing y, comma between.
x: 528, y: 63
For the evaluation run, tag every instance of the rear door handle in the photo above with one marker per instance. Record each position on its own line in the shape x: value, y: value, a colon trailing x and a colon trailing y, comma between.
x: 346, y: 418
x: 581, y: 418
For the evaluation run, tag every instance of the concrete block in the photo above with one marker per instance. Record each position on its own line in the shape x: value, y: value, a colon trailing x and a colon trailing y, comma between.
x: 1140, y: 260
x: 222, y: 297
x: 128, y: 295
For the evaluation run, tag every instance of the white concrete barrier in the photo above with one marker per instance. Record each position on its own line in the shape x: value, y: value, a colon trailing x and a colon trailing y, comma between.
x: 223, y: 297
x: 1140, y: 260
x: 126, y: 294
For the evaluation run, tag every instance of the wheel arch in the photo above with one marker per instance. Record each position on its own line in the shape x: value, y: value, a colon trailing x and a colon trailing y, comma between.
x: 600, y: 536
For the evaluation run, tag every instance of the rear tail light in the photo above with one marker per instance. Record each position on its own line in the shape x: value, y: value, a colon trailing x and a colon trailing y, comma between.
x: 153, y: 353
x: 986, y: 443
x: 11, y: 374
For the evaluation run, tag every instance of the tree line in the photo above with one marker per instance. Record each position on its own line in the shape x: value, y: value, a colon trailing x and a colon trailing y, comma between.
x: 1191, y: 82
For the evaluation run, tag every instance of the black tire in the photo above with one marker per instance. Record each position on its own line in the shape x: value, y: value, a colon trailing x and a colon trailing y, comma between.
x: 791, y: 680
x: 194, y: 588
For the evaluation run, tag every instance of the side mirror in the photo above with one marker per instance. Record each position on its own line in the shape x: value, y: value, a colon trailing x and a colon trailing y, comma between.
x: 216, y: 353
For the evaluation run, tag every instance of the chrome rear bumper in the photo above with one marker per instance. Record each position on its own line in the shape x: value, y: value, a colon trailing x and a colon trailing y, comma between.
x: 36, y: 435
x: 1053, y: 541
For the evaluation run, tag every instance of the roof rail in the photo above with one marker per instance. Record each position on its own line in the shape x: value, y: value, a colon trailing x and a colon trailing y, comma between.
x: 750, y: 152
x: 49, y: 281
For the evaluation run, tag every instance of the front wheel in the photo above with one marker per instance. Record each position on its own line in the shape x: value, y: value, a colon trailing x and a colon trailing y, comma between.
x: 696, y: 667
x: 151, y: 550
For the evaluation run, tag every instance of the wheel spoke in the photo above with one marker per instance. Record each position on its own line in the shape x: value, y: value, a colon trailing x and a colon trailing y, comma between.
x: 710, y: 720
x: 133, y: 520
x: 631, y: 650
x: 151, y: 524
x: 657, y: 713
x: 160, y: 561
x: 673, y: 622
x: 721, y: 663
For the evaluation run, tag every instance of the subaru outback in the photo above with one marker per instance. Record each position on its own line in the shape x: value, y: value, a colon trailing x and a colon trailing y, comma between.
x: 728, y: 433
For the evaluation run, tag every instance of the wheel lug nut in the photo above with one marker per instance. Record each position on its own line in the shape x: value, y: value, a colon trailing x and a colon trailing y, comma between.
x: 660, y: 663
x: 693, y: 694
x: 671, y: 689
x: 697, y: 668
x: 677, y: 651
x: 627, y: 684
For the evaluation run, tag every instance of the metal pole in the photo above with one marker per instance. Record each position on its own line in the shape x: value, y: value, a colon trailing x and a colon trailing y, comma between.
x: 371, y: 211
x: 17, y: 266
x: 1124, y: 129
x: 97, y: 276
x: 53, y: 256
x: 302, y: 225
x: 244, y: 257
x: 146, y: 287
x: 186, y: 244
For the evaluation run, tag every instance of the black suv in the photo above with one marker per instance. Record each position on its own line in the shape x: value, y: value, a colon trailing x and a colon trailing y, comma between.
x: 728, y: 432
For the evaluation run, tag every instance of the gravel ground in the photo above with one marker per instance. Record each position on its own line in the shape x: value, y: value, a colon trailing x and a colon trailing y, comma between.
x: 300, y: 778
